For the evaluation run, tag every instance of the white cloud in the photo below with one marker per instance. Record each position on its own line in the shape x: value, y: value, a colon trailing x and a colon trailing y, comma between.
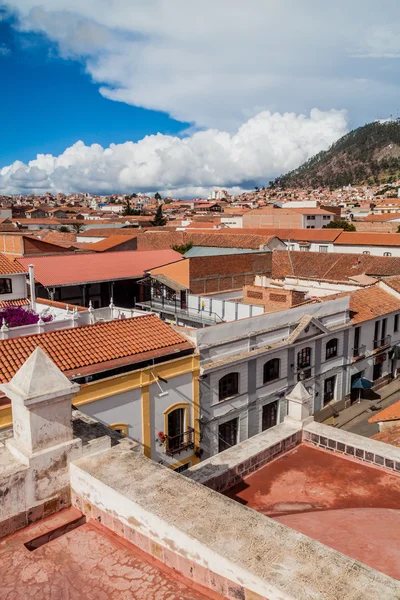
x: 263, y: 147
x: 216, y: 63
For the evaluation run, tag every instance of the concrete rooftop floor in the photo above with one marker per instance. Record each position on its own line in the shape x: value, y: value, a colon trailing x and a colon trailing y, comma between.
x: 341, y: 502
x: 88, y: 563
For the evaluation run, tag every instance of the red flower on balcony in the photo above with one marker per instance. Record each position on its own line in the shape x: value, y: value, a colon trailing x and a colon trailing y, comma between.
x: 161, y: 437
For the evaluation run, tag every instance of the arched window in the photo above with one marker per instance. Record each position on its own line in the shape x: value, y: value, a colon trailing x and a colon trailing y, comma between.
x: 228, y: 385
x: 331, y: 349
x: 387, y: 254
x: 271, y: 370
x: 366, y: 252
x: 177, y: 433
x: 304, y: 358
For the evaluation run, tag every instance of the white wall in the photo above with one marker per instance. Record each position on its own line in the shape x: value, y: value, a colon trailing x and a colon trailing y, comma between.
x: 369, y: 249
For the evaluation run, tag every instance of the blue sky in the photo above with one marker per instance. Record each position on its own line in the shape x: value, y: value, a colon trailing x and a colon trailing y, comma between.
x: 47, y: 103
x: 190, y: 97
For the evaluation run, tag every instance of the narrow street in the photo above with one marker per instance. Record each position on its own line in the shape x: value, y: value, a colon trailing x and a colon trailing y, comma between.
x: 359, y: 424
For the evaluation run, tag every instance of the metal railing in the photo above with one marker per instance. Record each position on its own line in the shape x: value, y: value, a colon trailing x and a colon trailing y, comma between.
x: 359, y: 351
x: 178, y: 443
x: 384, y: 341
x: 203, y: 316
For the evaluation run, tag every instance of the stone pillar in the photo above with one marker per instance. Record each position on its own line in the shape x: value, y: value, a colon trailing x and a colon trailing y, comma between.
x: 299, y: 404
x: 41, y: 405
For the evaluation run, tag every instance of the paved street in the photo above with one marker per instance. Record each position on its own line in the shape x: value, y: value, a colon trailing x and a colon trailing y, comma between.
x: 355, y: 418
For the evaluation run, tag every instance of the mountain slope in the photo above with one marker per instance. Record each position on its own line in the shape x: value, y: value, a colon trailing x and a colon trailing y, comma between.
x: 369, y: 154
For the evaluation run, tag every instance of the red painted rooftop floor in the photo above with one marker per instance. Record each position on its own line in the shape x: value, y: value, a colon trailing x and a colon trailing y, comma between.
x: 340, y: 502
x: 88, y: 563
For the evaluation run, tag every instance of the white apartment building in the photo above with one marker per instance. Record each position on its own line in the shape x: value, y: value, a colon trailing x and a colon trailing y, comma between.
x: 248, y: 367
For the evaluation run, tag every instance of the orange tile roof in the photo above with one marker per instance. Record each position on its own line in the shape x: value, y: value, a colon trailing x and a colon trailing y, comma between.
x: 394, y: 283
x: 368, y: 303
x: 319, y: 235
x: 106, y: 231
x: 8, y: 267
x: 368, y: 239
x: 63, y: 305
x: 331, y: 266
x: 70, y: 269
x: 15, y: 302
x: 110, y: 242
x: 177, y: 271
x: 390, y: 413
x: 389, y: 436
x: 384, y: 217
x: 75, y: 350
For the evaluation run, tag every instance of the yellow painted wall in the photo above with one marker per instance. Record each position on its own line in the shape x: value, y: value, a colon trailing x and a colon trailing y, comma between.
x: 117, y: 384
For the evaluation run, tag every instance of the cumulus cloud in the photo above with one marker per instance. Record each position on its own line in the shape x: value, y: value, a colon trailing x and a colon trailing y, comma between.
x: 216, y: 63
x: 265, y: 146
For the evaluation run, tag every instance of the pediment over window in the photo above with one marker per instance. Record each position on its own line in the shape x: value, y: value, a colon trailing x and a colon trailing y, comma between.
x: 307, y: 328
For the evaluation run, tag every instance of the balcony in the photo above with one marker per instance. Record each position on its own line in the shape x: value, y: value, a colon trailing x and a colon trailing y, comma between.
x: 382, y: 342
x: 172, y: 309
x: 178, y: 443
x: 360, y: 351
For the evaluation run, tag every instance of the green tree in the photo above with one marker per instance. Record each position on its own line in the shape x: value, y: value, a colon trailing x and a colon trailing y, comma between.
x: 157, y: 196
x: 128, y: 210
x: 183, y: 248
x: 77, y: 227
x: 159, y: 219
x: 64, y: 229
x: 346, y: 225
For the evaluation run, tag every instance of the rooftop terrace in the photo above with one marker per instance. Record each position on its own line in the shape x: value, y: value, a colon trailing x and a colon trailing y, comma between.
x: 341, y: 502
x: 88, y: 562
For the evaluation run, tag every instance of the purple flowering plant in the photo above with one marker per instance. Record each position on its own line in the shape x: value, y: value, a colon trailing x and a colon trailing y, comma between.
x: 16, y: 316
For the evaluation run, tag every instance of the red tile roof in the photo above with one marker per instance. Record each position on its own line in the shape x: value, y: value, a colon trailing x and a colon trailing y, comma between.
x: 221, y: 238
x: 318, y: 235
x: 107, y: 231
x: 110, y: 242
x: 331, y: 266
x: 385, y: 217
x: 63, y: 305
x: 390, y: 413
x: 15, y: 302
x: 8, y: 267
x: 70, y: 269
x: 73, y: 350
x: 367, y: 239
x: 389, y: 436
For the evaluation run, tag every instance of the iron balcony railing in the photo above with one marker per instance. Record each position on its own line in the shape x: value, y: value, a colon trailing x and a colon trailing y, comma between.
x: 359, y: 351
x: 384, y: 341
x: 178, y: 443
x: 170, y: 307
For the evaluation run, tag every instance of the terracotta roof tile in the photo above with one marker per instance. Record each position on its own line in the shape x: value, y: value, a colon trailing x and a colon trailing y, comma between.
x: 69, y: 269
x: 106, y: 231
x: 9, y: 267
x: 390, y: 413
x: 331, y: 266
x: 63, y: 305
x: 15, y: 302
x: 111, y: 241
x: 390, y: 436
x: 89, y: 345
x: 368, y: 303
x: 367, y: 239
